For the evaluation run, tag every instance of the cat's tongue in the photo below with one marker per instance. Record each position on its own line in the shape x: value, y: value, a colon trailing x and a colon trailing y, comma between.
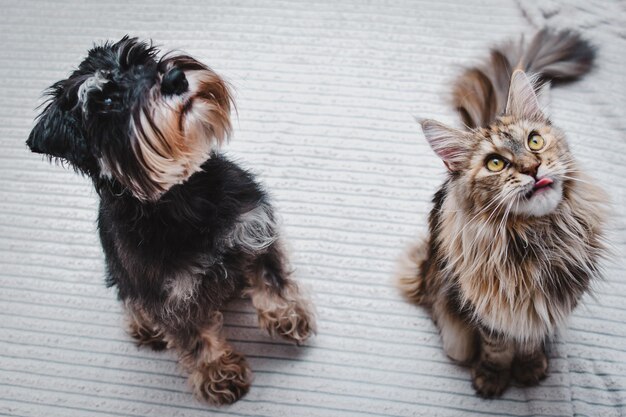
x: 544, y: 182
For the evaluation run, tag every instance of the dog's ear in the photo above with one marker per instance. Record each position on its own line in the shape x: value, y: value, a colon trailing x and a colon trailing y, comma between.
x: 58, y: 132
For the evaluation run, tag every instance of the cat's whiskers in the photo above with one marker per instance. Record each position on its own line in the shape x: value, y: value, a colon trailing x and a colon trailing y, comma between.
x: 490, y: 245
x: 502, y: 199
x: 470, y: 222
x: 576, y: 179
x: 503, y: 228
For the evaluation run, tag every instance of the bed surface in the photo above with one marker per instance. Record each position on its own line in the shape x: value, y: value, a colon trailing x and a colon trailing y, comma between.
x: 327, y: 92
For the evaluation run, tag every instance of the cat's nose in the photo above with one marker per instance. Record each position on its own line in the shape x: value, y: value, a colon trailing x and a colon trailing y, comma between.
x: 530, y: 169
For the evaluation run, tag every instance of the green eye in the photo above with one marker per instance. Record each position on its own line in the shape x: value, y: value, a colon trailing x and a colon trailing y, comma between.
x: 535, y: 142
x: 495, y: 164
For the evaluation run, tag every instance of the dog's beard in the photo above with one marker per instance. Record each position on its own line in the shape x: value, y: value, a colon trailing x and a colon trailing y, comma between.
x: 172, y: 136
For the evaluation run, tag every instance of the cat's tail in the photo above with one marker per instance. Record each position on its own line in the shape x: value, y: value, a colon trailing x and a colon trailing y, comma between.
x: 408, y: 277
x: 480, y: 93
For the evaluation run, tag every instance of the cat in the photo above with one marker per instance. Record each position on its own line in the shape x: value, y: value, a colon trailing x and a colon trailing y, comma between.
x: 516, y: 231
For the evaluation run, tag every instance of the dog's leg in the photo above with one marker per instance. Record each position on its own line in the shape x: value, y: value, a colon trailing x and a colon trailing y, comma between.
x: 280, y: 306
x: 217, y: 374
x: 142, y: 329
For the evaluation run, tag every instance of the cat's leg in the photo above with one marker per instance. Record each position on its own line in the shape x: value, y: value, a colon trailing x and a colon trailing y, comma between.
x: 142, y: 329
x: 530, y: 365
x: 459, y: 338
x: 492, y: 371
x: 280, y: 306
x: 217, y: 373
x: 421, y: 282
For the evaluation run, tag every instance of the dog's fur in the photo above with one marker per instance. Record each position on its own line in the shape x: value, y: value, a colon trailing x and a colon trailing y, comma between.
x: 183, y: 229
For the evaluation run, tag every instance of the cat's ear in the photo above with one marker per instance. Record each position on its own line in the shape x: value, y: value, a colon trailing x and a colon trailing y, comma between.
x: 522, y: 101
x: 544, y: 98
x: 453, y: 146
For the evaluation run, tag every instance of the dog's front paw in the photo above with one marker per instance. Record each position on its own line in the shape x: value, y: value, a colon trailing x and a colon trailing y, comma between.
x: 146, y: 336
x: 223, y: 381
x: 490, y: 382
x: 293, y: 322
x: 531, y: 370
x: 297, y: 325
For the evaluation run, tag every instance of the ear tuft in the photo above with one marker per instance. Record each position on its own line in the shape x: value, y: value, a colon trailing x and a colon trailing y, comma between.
x: 522, y: 101
x: 451, y: 145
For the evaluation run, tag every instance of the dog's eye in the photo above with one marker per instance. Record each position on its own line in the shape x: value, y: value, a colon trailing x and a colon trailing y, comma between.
x: 107, y: 102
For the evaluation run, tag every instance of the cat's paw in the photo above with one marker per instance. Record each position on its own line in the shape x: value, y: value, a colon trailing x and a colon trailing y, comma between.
x: 530, y: 371
x: 490, y: 382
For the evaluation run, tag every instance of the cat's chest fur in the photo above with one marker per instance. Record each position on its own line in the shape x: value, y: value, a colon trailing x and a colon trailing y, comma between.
x: 522, y: 279
x: 516, y: 303
x: 510, y: 294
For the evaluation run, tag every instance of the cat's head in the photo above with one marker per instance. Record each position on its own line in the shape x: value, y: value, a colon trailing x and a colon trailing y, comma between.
x: 518, y: 165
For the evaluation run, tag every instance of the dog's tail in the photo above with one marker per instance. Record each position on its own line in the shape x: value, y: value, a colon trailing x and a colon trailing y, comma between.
x: 409, y: 278
x: 480, y: 94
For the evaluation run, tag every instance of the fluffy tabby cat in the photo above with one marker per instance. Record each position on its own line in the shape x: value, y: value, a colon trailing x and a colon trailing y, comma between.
x: 516, y: 229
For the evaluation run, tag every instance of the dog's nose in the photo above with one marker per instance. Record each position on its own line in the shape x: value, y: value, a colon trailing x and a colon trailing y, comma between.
x: 33, y: 143
x: 174, y: 82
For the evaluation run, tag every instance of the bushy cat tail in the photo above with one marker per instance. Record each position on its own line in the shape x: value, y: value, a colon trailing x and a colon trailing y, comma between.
x: 480, y: 93
x: 408, y: 277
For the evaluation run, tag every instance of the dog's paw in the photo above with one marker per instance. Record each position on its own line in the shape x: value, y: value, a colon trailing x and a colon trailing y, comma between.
x: 297, y: 325
x: 293, y: 322
x: 489, y: 382
x: 223, y: 381
x: 530, y: 371
x: 145, y: 336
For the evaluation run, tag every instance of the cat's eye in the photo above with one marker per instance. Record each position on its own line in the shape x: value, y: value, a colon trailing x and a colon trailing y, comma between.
x: 495, y: 163
x: 535, y: 142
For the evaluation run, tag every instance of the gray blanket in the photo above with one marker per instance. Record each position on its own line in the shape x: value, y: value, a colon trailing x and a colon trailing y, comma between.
x: 327, y: 92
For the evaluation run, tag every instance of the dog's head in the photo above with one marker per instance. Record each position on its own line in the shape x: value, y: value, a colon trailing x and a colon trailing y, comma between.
x: 128, y: 116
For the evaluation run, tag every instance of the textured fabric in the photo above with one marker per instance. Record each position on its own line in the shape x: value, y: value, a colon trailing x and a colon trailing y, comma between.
x: 327, y: 92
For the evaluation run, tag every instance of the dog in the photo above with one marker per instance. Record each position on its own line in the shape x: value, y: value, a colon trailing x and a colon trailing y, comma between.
x: 183, y: 229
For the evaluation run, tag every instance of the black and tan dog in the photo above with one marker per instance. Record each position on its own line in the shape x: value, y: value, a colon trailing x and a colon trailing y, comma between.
x: 183, y: 229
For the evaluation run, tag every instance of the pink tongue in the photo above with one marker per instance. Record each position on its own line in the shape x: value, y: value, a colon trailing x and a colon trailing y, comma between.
x: 543, y: 182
